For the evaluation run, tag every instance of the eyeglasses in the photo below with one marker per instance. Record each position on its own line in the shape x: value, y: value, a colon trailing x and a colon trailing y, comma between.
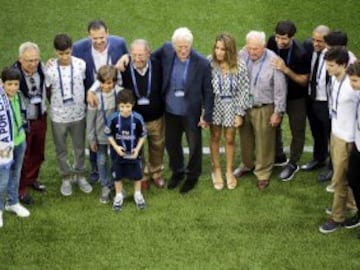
x: 33, y: 84
x: 31, y: 61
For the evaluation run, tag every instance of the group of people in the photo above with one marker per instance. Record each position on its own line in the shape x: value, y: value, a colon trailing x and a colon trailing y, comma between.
x: 119, y: 100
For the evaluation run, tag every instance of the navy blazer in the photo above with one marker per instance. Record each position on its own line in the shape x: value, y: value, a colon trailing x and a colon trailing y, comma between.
x: 198, y: 88
x: 82, y: 49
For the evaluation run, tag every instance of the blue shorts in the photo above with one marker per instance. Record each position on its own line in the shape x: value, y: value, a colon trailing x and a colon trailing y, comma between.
x: 131, y: 171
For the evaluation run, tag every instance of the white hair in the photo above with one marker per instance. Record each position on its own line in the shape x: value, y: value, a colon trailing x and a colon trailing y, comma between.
x: 322, y: 29
x: 182, y: 34
x: 26, y: 46
x: 141, y: 42
x: 256, y: 35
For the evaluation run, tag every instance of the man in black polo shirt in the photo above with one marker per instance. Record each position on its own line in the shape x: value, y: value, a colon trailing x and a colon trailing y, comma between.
x: 293, y: 63
x: 144, y: 76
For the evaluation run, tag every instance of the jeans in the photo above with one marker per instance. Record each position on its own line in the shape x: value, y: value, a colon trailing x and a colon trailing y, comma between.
x: 102, y: 164
x: 4, y: 179
x: 14, y: 175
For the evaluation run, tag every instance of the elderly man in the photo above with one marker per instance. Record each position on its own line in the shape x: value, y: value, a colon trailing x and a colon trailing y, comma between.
x: 294, y: 65
x: 268, y: 94
x: 144, y: 77
x: 317, y: 107
x: 188, y: 105
x: 32, y: 86
x: 97, y: 50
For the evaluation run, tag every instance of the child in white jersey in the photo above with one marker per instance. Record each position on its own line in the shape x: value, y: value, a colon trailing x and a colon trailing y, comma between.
x: 65, y: 80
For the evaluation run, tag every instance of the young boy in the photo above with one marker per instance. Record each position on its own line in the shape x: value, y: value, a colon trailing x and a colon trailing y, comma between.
x: 342, y: 105
x: 96, y: 120
x: 65, y: 77
x: 126, y: 133
x: 353, y: 71
x: 13, y: 142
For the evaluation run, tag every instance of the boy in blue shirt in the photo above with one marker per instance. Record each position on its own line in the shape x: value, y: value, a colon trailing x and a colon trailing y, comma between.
x: 126, y: 133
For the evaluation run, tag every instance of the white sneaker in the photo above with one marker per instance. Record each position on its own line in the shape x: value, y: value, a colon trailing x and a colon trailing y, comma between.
x: 66, y: 188
x: 83, y: 184
x: 330, y: 188
x: 1, y: 219
x: 18, y: 209
x: 139, y: 201
x: 105, y: 193
x: 118, y: 202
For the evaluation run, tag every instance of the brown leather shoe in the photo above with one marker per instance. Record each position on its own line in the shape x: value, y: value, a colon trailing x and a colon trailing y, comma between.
x: 262, y: 184
x: 159, y: 182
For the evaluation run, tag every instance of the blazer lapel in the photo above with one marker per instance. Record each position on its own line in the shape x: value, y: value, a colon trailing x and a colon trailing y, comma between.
x: 191, y: 73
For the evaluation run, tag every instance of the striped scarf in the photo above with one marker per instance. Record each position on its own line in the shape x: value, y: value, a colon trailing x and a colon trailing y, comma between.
x: 6, y: 132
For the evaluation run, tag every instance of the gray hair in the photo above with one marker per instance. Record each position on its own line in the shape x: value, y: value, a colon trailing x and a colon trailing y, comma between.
x: 256, y: 35
x: 322, y: 29
x: 182, y: 34
x: 26, y: 46
x: 142, y: 42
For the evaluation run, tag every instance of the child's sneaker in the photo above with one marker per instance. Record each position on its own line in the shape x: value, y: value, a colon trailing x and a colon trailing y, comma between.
x: 83, y: 184
x: 105, y: 193
x: 18, y: 209
x: 1, y: 219
x: 118, y: 202
x: 139, y: 201
x: 66, y: 188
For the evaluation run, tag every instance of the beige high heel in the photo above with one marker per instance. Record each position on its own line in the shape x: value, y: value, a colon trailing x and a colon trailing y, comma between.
x: 231, y: 181
x: 217, y: 183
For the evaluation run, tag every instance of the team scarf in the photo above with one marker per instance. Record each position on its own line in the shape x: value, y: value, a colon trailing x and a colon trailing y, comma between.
x: 6, y: 131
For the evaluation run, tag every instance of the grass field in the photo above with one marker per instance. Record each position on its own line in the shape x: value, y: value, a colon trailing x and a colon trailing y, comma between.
x: 206, y: 229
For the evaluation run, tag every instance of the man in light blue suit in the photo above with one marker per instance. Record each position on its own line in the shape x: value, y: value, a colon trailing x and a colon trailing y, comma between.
x: 97, y: 50
x: 188, y: 95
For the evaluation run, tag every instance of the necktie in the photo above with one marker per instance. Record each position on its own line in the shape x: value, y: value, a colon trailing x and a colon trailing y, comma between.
x: 313, y: 81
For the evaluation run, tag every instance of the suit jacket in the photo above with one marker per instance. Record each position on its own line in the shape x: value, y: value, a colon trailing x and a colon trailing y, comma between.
x: 198, y: 88
x: 82, y: 49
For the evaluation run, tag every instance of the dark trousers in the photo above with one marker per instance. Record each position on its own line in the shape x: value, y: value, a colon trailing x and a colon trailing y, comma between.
x: 320, y: 125
x: 353, y: 175
x: 93, y: 159
x: 296, y: 111
x: 34, y: 154
x: 175, y: 126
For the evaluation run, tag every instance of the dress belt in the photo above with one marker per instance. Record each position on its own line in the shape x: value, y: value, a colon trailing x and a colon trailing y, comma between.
x: 261, y: 105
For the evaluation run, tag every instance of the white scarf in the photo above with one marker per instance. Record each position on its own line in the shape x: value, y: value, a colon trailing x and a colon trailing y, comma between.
x: 6, y: 132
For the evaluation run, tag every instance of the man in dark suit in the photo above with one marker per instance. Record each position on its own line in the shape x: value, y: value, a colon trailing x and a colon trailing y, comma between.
x: 97, y: 50
x: 32, y: 85
x: 189, y: 98
x: 317, y: 99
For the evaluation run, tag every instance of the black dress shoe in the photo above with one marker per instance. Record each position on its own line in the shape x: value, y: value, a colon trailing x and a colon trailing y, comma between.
x: 38, y: 186
x: 312, y: 165
x: 325, y: 175
x: 26, y: 199
x: 175, y: 180
x: 188, y: 185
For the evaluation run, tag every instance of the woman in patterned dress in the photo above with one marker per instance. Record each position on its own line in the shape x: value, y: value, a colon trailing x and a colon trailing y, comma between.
x: 231, y: 98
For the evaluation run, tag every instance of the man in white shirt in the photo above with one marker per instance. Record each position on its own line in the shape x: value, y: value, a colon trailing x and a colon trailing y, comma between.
x: 342, y: 106
x: 353, y: 175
